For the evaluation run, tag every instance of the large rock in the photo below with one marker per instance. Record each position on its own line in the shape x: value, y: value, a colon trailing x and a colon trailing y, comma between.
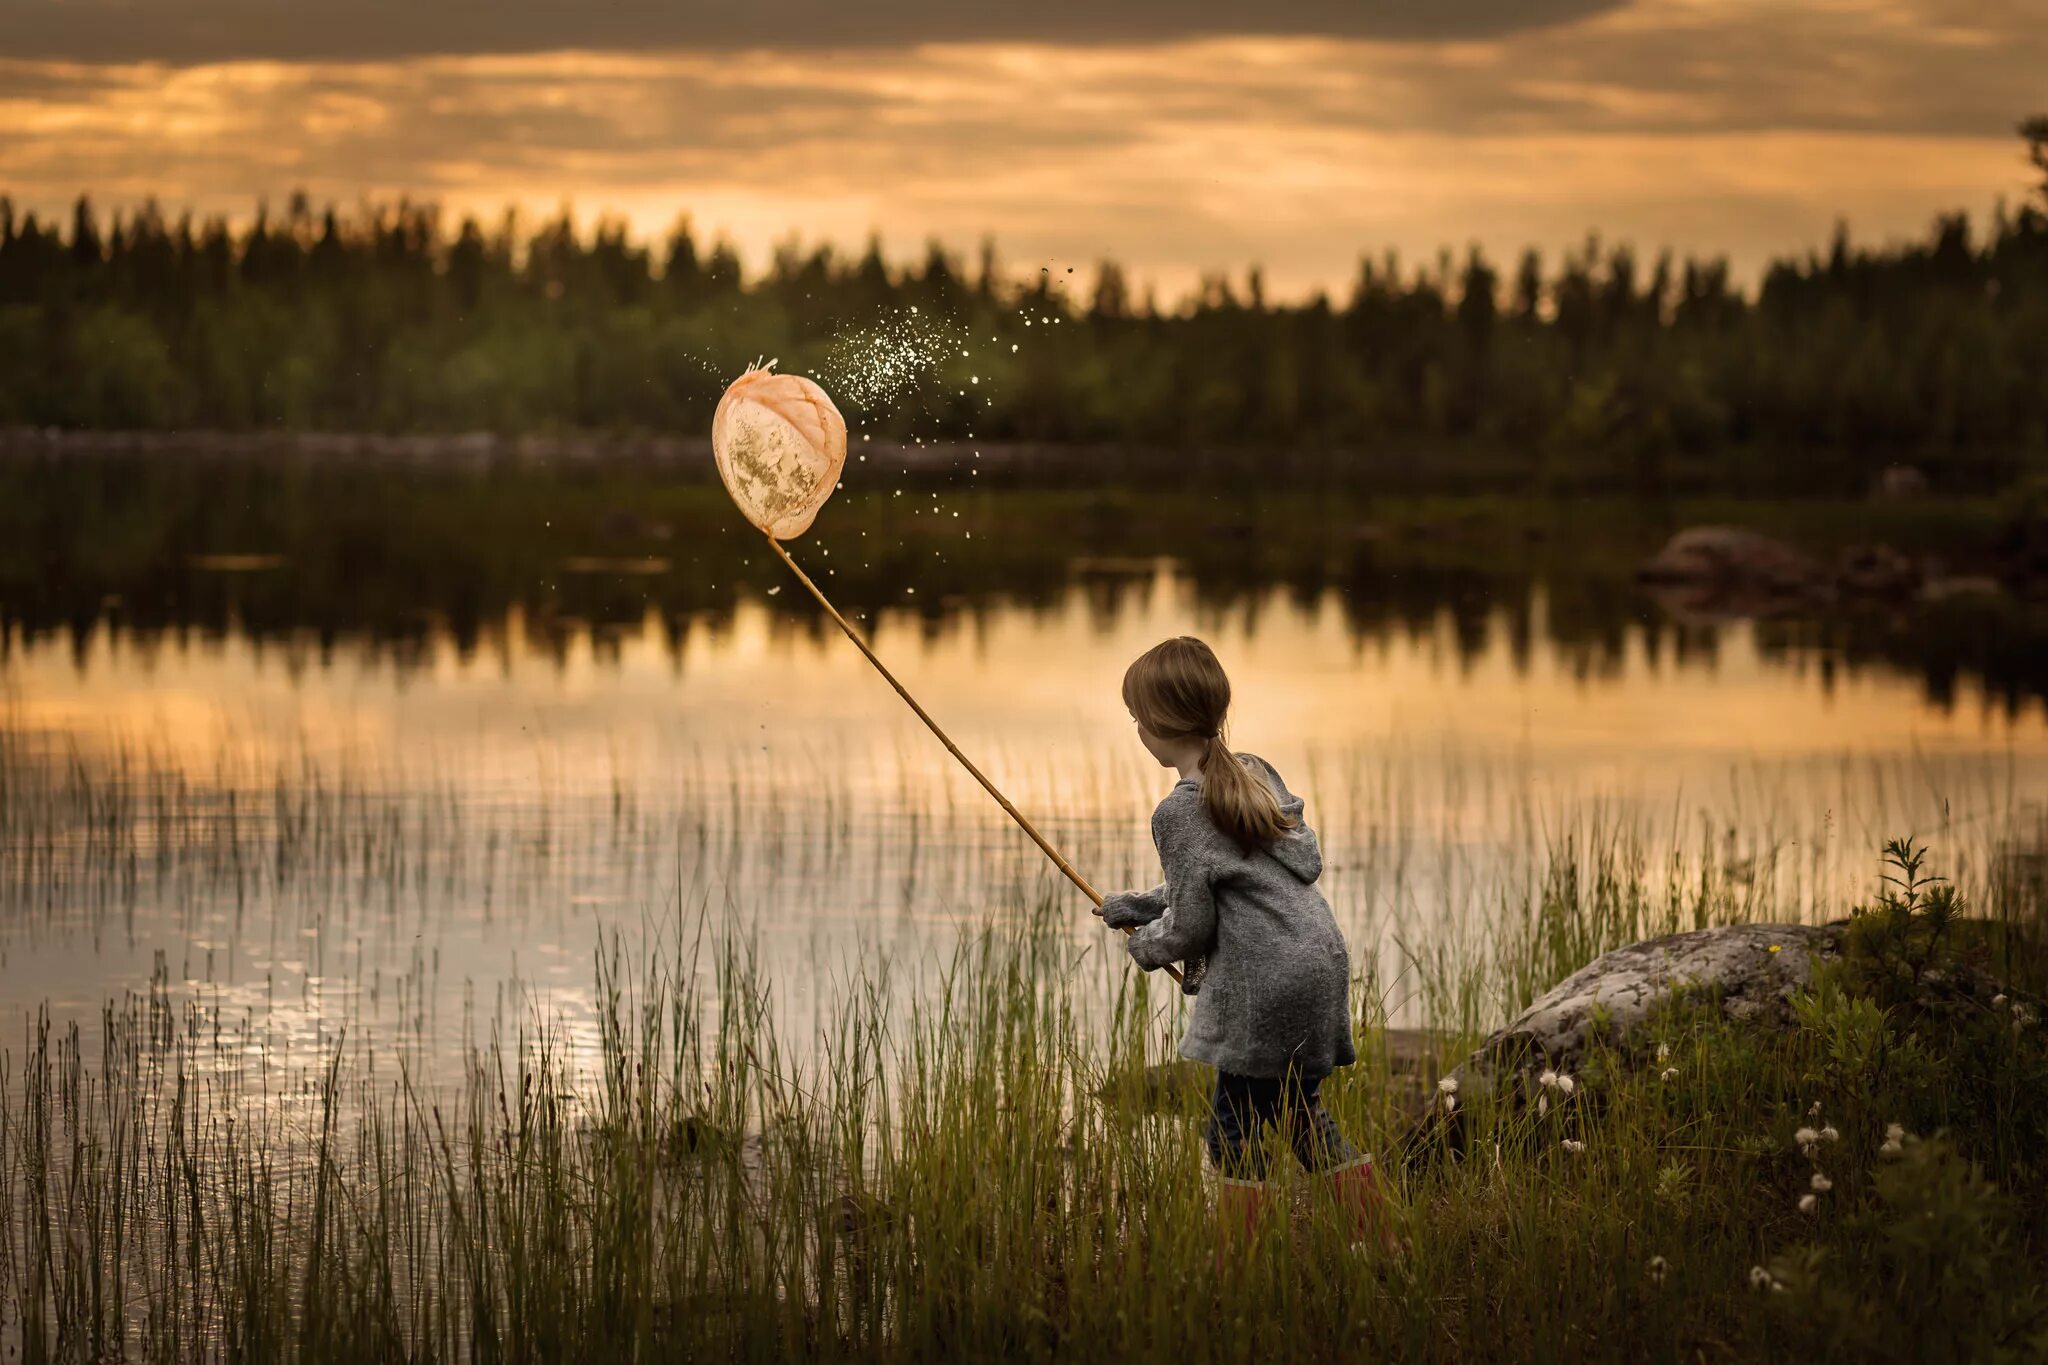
x: 1877, y: 571
x: 2022, y: 546
x: 1731, y: 570
x: 1753, y: 970
x: 1898, y: 483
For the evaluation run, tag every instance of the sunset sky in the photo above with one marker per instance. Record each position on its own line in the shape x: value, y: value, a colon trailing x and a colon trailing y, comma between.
x: 1173, y: 135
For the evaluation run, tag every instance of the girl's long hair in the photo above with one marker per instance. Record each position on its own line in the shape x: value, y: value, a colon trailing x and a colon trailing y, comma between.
x: 1177, y: 690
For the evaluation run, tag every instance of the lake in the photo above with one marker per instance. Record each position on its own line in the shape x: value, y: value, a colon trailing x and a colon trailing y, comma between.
x: 378, y: 752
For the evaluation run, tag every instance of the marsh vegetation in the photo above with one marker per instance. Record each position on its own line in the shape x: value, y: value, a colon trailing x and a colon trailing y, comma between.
x: 963, y: 1156
x: 429, y: 929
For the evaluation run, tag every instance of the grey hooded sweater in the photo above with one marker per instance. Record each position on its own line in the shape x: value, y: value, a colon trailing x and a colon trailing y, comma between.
x: 1277, y: 985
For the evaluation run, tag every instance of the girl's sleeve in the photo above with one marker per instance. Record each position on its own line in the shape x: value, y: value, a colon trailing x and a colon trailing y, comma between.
x: 1188, y: 927
x: 1133, y: 909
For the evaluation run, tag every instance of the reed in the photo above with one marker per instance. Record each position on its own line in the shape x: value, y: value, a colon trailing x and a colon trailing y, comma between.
x: 962, y: 1158
x: 950, y: 1137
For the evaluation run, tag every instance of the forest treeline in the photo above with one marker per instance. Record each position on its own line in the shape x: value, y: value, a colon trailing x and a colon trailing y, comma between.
x: 1600, y: 368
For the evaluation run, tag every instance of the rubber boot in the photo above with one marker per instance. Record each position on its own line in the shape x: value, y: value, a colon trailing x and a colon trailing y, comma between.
x: 1356, y: 1188
x: 1240, y: 1209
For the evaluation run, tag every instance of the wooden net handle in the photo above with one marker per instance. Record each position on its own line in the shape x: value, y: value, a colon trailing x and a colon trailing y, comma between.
x: 862, y: 645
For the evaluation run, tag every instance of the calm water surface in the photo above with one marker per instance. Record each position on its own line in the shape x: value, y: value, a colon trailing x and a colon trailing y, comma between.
x: 317, y: 833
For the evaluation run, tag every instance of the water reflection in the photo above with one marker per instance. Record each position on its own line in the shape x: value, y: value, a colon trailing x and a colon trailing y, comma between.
x: 336, y: 769
x: 326, y: 564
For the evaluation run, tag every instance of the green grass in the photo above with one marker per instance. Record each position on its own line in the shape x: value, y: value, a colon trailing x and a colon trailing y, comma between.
x: 960, y: 1163
x: 966, y: 1157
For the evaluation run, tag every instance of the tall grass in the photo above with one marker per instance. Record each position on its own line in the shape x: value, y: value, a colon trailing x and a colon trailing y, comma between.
x: 953, y: 1141
x: 959, y: 1162
x: 303, y: 863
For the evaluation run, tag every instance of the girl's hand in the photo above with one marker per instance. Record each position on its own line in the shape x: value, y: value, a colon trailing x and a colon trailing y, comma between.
x: 1128, y: 910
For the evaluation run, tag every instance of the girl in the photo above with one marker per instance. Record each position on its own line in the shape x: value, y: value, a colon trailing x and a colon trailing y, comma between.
x: 1239, y: 906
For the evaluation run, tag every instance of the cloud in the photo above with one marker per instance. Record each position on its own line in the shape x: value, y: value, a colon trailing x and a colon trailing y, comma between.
x: 200, y: 31
x: 1711, y: 125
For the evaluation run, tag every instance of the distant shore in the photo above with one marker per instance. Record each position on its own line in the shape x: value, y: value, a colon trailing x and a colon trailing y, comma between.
x: 486, y: 447
x: 1416, y: 469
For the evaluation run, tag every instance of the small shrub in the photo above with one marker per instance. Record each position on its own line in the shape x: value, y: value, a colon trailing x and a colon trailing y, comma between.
x: 1925, y: 1274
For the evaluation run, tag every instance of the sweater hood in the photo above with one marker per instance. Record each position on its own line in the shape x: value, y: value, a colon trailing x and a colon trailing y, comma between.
x: 1298, y: 849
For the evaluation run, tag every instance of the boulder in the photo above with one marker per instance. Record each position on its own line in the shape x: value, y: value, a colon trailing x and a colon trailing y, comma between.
x: 1734, y: 568
x: 2022, y: 547
x: 1898, y: 483
x: 1937, y: 590
x: 1877, y: 571
x: 1753, y: 970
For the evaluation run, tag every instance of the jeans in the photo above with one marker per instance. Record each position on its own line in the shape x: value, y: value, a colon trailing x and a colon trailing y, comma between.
x: 1243, y: 1106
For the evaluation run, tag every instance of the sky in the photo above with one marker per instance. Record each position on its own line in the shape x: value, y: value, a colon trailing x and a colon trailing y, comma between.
x: 1175, y: 136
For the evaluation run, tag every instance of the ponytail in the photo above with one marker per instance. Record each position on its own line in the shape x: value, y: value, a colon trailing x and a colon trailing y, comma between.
x: 1239, y: 801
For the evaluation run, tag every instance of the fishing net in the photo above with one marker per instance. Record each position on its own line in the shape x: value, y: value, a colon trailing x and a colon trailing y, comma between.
x: 780, y: 443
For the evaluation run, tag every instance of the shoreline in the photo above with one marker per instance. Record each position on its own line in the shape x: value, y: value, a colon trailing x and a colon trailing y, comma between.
x: 483, y: 448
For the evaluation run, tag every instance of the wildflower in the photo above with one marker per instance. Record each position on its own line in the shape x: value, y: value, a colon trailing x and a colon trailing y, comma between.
x: 1821, y: 1184
x: 1670, y: 1073
x: 1448, y: 1085
x: 1542, y: 1105
x: 1657, y: 1269
x: 1806, y: 1203
x: 1566, y: 1084
x: 1573, y: 1145
x: 1998, y: 1001
x: 1813, y: 1110
x: 1548, y: 1080
x: 1805, y: 1137
x: 1830, y: 1133
x: 1663, y: 1055
x: 1894, y: 1131
x: 1759, y: 1278
x: 1777, y: 947
x: 1450, y: 1104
